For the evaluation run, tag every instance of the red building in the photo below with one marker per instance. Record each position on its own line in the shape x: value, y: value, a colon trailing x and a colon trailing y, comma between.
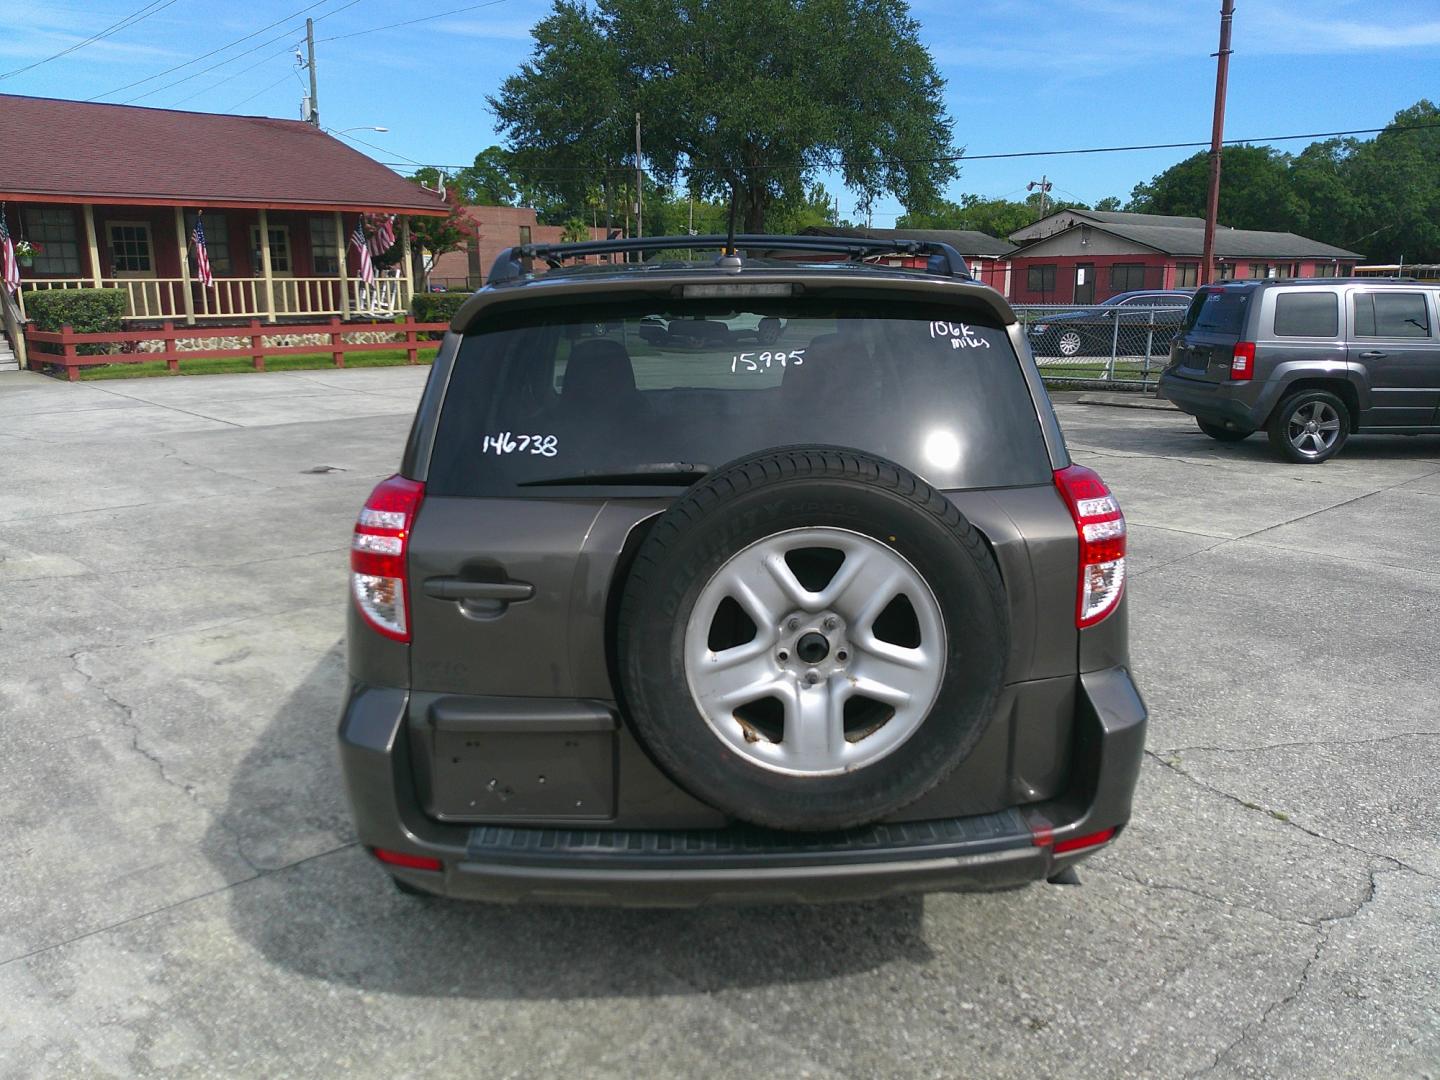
x: 1087, y: 256
x: 495, y: 229
x: 109, y: 194
x: 986, y: 255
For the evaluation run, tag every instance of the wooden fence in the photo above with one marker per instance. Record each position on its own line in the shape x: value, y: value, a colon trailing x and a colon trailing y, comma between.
x: 70, y: 358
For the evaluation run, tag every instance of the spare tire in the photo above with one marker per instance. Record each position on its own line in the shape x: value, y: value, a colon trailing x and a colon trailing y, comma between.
x: 811, y: 638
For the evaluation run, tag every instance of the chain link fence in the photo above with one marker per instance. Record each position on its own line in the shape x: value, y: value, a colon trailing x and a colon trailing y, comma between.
x: 1118, y: 345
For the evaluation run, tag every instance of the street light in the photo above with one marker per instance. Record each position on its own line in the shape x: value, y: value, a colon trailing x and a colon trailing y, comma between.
x: 362, y: 128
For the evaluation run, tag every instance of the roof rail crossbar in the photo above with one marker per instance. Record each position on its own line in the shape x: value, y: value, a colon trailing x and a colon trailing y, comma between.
x: 514, y: 263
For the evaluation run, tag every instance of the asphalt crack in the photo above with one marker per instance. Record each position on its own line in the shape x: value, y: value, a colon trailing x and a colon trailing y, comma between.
x: 1303, y: 744
x: 1174, y: 765
x: 126, y: 713
x: 1323, y: 926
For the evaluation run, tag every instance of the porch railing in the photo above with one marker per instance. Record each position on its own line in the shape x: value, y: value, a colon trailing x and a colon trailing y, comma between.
x: 244, y: 297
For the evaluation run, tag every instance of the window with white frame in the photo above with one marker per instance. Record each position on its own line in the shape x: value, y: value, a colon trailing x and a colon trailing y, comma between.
x: 217, y: 242
x: 52, y: 230
x: 130, y: 248
x: 279, y: 248
x: 323, y: 244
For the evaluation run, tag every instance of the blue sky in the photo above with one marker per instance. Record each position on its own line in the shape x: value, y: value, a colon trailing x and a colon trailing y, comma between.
x: 1022, y: 75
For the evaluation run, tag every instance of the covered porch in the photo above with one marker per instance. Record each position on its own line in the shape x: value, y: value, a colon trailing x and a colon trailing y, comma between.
x: 306, y: 269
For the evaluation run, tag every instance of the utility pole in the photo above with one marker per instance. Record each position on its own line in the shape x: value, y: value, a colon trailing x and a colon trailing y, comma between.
x: 314, y: 116
x: 1217, y: 136
x: 639, y: 184
x: 1044, y: 185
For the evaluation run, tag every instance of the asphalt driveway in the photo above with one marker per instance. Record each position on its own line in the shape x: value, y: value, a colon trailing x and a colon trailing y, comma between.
x: 180, y: 893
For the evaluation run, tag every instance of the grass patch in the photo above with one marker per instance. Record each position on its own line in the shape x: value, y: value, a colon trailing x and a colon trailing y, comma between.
x: 239, y: 365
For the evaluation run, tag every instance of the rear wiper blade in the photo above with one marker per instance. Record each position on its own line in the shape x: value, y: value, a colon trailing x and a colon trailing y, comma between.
x: 659, y: 473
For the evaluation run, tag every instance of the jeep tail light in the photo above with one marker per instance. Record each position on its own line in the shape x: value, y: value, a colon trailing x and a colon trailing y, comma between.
x: 1101, y: 526
x: 1242, y: 362
x: 377, y: 556
x: 410, y: 862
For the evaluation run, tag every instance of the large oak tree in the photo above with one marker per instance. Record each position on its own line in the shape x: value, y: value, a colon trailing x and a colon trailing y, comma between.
x: 754, y: 96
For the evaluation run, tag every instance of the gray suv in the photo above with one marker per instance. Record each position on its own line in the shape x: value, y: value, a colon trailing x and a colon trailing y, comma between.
x: 699, y: 617
x: 1310, y: 362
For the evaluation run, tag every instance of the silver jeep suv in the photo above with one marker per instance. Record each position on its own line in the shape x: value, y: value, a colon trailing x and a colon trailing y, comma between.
x: 1311, y: 362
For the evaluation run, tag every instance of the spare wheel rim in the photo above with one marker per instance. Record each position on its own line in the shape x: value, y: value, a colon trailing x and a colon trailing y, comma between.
x: 779, y: 700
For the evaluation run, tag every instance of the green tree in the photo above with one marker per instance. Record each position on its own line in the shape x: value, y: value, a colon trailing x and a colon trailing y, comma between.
x: 1110, y: 202
x: 996, y: 217
x: 433, y: 236
x: 1255, y: 192
x: 488, y: 181
x: 1394, y: 180
x: 754, y: 96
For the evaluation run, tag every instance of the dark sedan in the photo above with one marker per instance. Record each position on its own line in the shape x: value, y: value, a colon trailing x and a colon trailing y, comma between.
x: 1145, y: 318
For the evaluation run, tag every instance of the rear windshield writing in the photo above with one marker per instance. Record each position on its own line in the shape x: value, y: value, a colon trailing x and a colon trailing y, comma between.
x: 610, y: 391
x: 1217, y: 312
x: 1307, y: 314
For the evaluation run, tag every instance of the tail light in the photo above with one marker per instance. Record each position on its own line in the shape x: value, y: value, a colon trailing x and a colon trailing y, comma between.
x: 1242, y: 362
x: 377, y: 556
x: 411, y: 862
x: 1079, y: 843
x: 1101, y: 526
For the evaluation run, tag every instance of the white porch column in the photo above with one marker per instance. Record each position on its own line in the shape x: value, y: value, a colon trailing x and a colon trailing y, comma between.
x: 340, y: 250
x: 266, y: 272
x: 189, y: 301
x: 92, y: 243
x: 409, y: 277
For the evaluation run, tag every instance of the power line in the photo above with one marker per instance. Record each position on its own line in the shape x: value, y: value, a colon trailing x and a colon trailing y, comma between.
x: 964, y: 157
x: 257, y: 93
x: 263, y: 60
x: 412, y: 22
x: 228, y: 78
x: 206, y: 56
x: 382, y: 149
x: 134, y: 17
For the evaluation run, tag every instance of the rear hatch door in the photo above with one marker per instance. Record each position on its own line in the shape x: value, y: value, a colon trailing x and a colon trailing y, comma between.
x: 1213, y: 324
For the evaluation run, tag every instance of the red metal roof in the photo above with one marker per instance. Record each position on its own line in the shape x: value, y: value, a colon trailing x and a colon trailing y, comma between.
x: 77, y: 151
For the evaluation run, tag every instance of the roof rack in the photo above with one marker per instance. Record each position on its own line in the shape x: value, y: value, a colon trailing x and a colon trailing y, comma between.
x: 515, y: 263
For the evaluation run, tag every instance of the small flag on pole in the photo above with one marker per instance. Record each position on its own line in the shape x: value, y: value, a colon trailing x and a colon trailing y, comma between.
x: 202, y: 257
x: 357, y: 241
x: 9, y: 268
x: 383, y: 238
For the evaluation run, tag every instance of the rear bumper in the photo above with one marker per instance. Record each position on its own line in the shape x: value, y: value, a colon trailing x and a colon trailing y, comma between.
x: 1218, y: 403
x: 742, y: 864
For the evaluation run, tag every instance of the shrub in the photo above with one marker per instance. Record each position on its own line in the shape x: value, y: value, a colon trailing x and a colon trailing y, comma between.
x: 86, y: 311
x: 438, y: 307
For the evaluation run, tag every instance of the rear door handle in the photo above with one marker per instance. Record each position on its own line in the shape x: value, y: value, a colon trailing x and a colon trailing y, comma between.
x: 454, y: 588
x: 1372, y: 355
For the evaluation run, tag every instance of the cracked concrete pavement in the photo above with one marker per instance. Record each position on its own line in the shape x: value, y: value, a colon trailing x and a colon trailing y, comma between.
x: 182, y: 894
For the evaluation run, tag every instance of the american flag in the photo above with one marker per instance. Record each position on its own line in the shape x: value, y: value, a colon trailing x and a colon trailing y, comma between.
x: 383, y: 238
x: 202, y: 257
x: 357, y: 241
x: 8, y: 266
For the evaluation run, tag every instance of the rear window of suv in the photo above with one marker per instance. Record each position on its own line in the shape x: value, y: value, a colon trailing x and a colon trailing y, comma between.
x: 543, y: 395
x: 1218, y: 311
x: 1307, y: 314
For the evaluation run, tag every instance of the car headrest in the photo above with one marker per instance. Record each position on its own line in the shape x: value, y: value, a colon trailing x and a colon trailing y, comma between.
x: 598, y: 369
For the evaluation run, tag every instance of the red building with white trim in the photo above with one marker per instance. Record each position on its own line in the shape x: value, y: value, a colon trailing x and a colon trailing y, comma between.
x: 108, y: 194
x: 1086, y: 256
